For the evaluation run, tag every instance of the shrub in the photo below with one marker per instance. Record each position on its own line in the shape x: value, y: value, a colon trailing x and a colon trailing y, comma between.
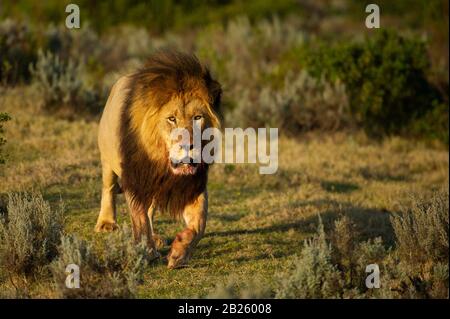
x: 337, y: 268
x: 343, y: 239
x: 422, y: 231
x: 434, y: 123
x: 3, y: 118
x: 62, y: 87
x: 303, y: 104
x: 17, y: 51
x: 58, y: 81
x: 29, y: 233
x: 313, y: 275
x: 112, y: 271
x: 385, y: 77
x: 246, y: 56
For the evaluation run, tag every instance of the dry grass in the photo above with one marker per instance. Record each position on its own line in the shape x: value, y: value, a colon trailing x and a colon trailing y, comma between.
x: 257, y: 223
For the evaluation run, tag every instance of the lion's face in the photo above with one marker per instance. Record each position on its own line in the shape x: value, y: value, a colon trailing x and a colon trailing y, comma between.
x: 183, y: 114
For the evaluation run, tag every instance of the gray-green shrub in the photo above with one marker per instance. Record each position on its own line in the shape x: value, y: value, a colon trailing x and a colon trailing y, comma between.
x: 423, y: 245
x: 422, y: 230
x: 335, y: 266
x: 61, y: 85
x: 29, y: 233
x: 313, y: 274
x: 59, y: 82
x: 110, y: 271
x: 302, y: 104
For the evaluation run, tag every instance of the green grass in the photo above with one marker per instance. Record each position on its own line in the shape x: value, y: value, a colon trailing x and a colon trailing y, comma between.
x: 256, y: 223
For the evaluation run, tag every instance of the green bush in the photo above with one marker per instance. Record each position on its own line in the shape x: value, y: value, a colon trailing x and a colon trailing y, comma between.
x: 17, y: 51
x: 386, y: 80
x: 111, y: 271
x: 29, y: 233
x: 3, y: 118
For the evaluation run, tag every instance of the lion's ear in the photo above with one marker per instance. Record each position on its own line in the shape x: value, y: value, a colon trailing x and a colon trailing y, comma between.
x: 215, y: 90
x: 215, y: 93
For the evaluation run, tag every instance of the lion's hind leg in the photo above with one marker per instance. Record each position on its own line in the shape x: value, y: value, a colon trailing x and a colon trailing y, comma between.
x: 106, y: 220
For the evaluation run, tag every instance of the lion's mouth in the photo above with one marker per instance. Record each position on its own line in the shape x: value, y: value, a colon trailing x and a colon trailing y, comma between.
x: 184, y: 168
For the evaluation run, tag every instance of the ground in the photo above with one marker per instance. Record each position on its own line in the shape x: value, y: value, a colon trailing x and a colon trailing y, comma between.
x: 256, y: 223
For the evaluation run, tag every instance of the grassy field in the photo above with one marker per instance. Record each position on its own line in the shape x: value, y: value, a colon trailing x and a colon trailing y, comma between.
x: 257, y: 223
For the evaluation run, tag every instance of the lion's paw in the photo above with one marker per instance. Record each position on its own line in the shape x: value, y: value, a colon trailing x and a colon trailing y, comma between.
x: 105, y: 227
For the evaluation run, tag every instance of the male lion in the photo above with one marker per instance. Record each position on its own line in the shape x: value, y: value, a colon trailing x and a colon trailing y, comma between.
x: 173, y: 90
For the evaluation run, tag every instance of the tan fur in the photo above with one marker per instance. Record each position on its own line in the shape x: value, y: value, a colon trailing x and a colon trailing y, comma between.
x: 134, y: 145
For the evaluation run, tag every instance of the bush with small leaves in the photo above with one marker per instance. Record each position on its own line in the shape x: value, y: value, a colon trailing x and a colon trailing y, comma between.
x: 386, y: 80
x: 111, y: 271
x: 246, y: 57
x: 422, y: 231
x: 59, y: 82
x: 423, y: 245
x: 337, y: 268
x: 29, y: 233
x: 17, y: 51
x: 303, y: 104
x: 344, y: 243
x: 313, y: 274
x: 62, y: 87
x: 243, y: 53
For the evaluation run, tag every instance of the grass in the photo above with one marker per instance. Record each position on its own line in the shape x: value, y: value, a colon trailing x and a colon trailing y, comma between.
x: 257, y: 223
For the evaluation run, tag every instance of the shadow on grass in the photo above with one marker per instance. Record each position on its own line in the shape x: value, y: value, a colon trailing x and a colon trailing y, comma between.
x: 370, y: 223
x: 339, y: 187
x: 369, y: 173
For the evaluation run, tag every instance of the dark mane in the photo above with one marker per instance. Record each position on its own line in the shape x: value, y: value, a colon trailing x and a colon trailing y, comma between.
x: 148, y: 178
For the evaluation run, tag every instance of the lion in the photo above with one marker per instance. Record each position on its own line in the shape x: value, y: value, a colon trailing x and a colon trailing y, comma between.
x: 173, y: 90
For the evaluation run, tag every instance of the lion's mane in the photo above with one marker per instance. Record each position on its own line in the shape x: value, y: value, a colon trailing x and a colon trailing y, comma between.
x: 146, y: 175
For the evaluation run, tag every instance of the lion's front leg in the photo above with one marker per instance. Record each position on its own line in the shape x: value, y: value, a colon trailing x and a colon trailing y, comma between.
x: 185, y: 241
x: 141, y: 225
x: 106, y: 220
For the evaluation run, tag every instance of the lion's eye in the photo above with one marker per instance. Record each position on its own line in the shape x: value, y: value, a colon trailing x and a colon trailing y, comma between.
x: 197, y: 117
x: 171, y: 119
